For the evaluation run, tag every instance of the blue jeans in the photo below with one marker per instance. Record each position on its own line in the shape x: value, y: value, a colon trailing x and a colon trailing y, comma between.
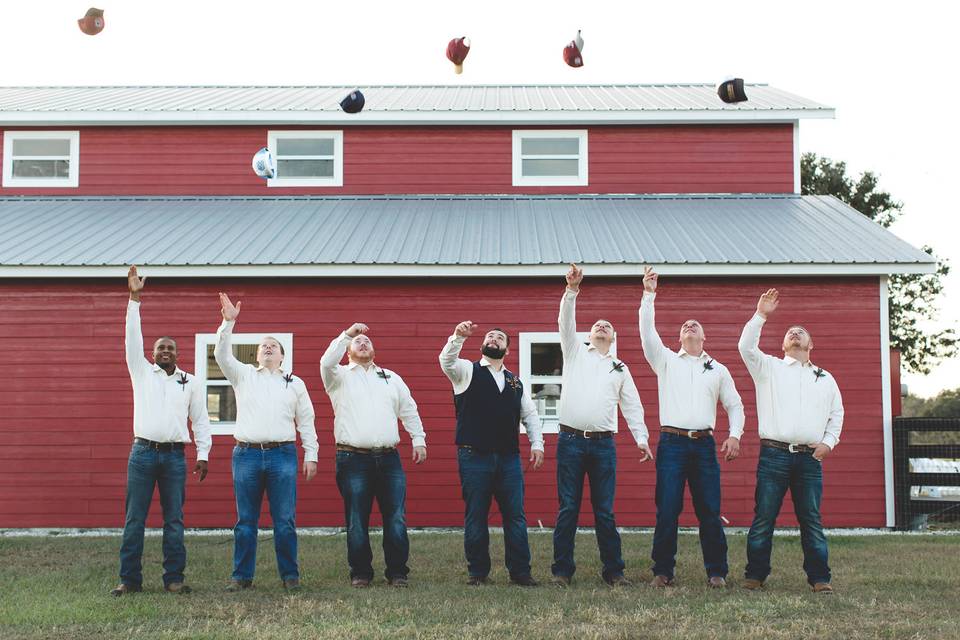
x: 273, y: 470
x: 484, y: 476
x: 777, y: 471
x: 682, y: 460
x: 361, y: 477
x: 597, y: 459
x: 167, y: 471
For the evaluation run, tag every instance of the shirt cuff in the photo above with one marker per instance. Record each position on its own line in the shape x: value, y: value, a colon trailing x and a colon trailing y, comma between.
x: 309, y: 457
x: 643, y: 441
x: 203, y: 456
x: 227, y: 325
x: 759, y: 319
x: 829, y: 440
x: 567, y: 293
x: 133, y: 304
x: 537, y: 446
x: 419, y: 441
x: 649, y: 296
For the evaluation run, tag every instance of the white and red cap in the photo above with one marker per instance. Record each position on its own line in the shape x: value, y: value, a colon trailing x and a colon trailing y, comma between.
x: 92, y: 23
x: 457, y: 50
x: 263, y: 164
x: 573, y: 52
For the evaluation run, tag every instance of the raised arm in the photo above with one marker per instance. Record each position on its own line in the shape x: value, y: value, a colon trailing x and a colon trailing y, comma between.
x: 568, y: 313
x: 749, y: 345
x: 133, y: 338
x: 330, y: 361
x: 654, y: 350
x: 457, y: 369
x: 223, y: 352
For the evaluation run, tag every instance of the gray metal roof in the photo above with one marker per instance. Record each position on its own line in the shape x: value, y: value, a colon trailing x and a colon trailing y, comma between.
x: 450, y: 231
x: 406, y: 103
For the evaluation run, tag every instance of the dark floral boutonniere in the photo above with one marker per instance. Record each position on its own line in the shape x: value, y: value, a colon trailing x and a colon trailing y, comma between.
x: 707, y: 366
x: 514, y: 383
x: 383, y: 374
x: 287, y: 379
x: 819, y: 373
x: 617, y: 366
x: 183, y: 381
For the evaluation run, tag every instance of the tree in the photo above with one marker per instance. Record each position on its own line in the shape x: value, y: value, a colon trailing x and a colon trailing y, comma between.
x: 945, y: 404
x: 912, y: 297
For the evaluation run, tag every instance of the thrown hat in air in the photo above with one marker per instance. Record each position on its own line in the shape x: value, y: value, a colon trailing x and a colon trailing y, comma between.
x: 731, y: 91
x: 92, y: 23
x: 573, y: 52
x: 353, y: 103
x: 457, y: 50
x: 263, y: 164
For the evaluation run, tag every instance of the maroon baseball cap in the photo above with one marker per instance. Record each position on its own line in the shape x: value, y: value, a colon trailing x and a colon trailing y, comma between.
x: 92, y: 23
x: 572, y: 53
x: 457, y: 50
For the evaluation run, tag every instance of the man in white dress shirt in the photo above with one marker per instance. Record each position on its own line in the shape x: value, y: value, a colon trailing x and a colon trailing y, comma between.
x: 272, y: 407
x: 800, y: 415
x: 690, y: 383
x: 594, y: 384
x: 491, y: 403
x: 164, y: 396
x: 367, y: 401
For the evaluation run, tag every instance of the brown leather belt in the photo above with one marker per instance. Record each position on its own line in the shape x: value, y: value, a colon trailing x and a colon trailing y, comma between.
x: 375, y: 451
x: 159, y: 446
x: 263, y: 446
x: 693, y: 434
x: 589, y: 435
x: 786, y: 446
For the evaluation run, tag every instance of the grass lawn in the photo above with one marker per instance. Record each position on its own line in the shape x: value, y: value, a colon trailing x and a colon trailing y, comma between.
x: 887, y: 587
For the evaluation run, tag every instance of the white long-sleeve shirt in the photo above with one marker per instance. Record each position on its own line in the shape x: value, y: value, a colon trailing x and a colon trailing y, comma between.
x: 688, y: 386
x: 367, y: 401
x: 271, y: 406
x: 796, y: 403
x: 460, y: 373
x: 162, y: 403
x: 592, y: 386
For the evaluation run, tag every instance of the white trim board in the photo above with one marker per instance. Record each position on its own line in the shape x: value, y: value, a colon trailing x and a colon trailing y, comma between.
x: 887, y: 403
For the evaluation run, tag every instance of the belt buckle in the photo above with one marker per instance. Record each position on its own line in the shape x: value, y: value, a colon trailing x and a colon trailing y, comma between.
x: 261, y: 446
x: 586, y: 434
x: 691, y: 434
x: 792, y: 448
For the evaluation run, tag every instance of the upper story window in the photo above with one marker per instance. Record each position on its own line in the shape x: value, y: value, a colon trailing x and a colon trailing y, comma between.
x: 41, y: 158
x: 550, y: 158
x: 307, y: 158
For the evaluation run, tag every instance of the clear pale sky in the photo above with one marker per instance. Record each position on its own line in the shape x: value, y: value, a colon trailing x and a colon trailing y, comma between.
x: 889, y: 69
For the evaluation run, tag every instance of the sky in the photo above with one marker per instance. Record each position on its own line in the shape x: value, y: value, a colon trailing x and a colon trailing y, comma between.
x: 887, y: 68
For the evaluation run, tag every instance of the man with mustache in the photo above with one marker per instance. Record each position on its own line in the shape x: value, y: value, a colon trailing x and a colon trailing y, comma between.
x: 164, y: 397
x: 690, y: 383
x: 367, y: 401
x: 272, y: 407
x: 490, y: 403
x: 594, y: 384
x: 800, y: 415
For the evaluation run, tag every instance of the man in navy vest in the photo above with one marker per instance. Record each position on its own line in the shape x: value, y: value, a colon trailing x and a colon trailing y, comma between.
x: 491, y: 403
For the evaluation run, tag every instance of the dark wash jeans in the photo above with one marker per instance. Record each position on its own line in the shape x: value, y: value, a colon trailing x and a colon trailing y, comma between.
x: 484, y: 476
x: 682, y: 460
x: 361, y: 477
x: 777, y: 471
x: 166, y: 470
x: 273, y: 471
x: 596, y: 459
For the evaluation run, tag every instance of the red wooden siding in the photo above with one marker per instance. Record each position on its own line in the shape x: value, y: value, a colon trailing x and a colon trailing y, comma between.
x: 403, y: 160
x: 66, y: 424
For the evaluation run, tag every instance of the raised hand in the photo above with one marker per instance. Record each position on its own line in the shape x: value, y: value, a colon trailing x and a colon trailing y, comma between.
x: 465, y: 329
x: 649, y: 280
x: 356, y: 329
x: 768, y: 302
x: 574, y: 277
x: 229, y: 311
x: 135, y: 282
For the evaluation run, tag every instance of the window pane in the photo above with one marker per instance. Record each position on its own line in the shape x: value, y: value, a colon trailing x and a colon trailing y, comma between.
x: 551, y: 167
x: 546, y: 359
x: 547, y: 397
x: 23, y: 148
x: 246, y: 353
x: 305, y: 168
x: 221, y: 404
x: 305, y: 147
x: 41, y: 168
x: 550, y: 146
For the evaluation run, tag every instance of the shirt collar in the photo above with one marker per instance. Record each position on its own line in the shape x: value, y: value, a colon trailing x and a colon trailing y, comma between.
x: 683, y: 352
x: 176, y: 370
x: 789, y: 360
x: 486, y: 363
x: 590, y: 346
x: 263, y: 368
x: 353, y: 365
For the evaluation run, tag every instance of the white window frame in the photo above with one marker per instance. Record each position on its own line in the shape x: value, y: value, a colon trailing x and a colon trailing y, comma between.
x: 73, y: 180
x: 200, y: 344
x: 527, y: 340
x: 579, y: 180
x: 335, y: 181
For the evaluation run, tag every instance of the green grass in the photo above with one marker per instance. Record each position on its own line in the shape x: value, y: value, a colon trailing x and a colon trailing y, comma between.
x: 887, y: 587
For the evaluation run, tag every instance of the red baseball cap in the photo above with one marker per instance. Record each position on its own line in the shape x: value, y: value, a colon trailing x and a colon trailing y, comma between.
x: 457, y: 50
x: 92, y: 23
x: 572, y: 53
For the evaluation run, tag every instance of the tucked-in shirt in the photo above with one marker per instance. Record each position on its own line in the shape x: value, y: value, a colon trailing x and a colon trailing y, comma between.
x: 367, y: 401
x: 272, y: 406
x: 688, y: 385
x: 594, y: 383
x: 460, y: 373
x: 162, y: 403
x: 797, y: 402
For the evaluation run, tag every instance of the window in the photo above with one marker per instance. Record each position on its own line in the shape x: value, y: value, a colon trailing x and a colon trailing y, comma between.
x: 307, y: 158
x: 41, y: 158
x: 550, y: 158
x: 541, y: 370
x: 221, y: 401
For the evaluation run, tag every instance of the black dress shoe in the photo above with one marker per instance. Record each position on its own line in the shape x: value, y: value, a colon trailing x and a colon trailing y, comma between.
x: 239, y: 585
x: 400, y: 582
x: 524, y: 581
x: 123, y: 589
x: 478, y: 581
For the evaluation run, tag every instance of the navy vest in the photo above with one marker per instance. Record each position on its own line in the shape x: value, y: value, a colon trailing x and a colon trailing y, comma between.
x: 489, y: 419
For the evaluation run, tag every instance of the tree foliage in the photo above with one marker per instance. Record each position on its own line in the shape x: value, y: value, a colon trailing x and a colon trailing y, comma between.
x: 946, y: 404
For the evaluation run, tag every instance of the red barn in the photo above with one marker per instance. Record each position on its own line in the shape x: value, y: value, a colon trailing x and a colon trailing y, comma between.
x: 434, y: 205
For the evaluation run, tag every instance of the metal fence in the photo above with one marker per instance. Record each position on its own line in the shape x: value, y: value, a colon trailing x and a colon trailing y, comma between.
x: 926, y: 458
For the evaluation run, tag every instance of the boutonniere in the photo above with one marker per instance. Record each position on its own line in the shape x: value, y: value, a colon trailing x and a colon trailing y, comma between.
x: 288, y: 379
x: 707, y: 366
x: 514, y: 383
x: 183, y: 381
x: 617, y: 366
x: 383, y: 374
x: 819, y: 373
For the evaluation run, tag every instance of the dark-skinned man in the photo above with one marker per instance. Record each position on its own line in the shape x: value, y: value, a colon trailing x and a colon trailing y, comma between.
x: 164, y: 397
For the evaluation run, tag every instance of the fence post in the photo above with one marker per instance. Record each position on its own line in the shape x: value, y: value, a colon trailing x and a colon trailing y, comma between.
x: 901, y: 473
